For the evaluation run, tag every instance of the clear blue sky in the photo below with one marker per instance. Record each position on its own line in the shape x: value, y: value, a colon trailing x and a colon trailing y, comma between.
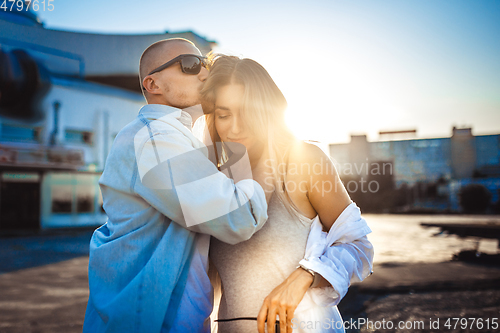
x: 350, y: 66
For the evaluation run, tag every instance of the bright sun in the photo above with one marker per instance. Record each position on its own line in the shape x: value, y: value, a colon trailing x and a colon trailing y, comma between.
x: 332, y: 109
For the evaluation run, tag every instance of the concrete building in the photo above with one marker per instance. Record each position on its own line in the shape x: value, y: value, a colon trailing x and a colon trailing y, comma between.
x: 443, y: 164
x: 63, y: 98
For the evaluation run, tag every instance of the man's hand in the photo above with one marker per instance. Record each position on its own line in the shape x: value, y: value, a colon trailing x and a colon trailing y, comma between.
x: 283, y: 301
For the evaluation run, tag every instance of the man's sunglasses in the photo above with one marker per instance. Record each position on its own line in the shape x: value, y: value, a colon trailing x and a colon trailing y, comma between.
x: 190, y: 64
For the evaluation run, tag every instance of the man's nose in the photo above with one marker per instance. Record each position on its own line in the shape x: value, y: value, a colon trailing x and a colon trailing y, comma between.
x: 203, y: 74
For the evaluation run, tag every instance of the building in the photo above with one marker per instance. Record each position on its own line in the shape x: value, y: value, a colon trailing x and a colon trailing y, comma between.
x: 433, y: 170
x: 63, y: 98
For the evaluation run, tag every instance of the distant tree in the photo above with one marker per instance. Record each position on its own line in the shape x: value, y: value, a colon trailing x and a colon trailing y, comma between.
x: 441, y: 180
x: 431, y: 190
x: 496, y: 205
x: 403, y: 195
x: 474, y: 198
x: 478, y: 174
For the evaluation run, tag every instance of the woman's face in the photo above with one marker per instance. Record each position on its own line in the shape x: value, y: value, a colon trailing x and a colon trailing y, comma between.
x: 228, y: 122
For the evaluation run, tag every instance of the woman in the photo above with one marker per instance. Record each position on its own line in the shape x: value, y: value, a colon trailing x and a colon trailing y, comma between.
x: 260, y: 277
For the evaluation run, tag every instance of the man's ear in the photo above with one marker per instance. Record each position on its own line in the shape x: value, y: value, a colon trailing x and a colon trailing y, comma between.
x: 150, y: 85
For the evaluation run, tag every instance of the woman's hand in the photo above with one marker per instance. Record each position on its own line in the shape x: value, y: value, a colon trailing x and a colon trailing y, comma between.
x: 283, y: 301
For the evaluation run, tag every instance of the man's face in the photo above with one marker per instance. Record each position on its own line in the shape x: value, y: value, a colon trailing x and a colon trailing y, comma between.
x: 179, y: 89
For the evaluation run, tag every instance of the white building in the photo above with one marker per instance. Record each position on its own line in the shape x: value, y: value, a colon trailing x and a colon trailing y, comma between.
x: 63, y: 98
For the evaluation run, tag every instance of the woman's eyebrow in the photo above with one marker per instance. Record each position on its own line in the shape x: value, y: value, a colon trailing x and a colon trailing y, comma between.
x: 220, y: 107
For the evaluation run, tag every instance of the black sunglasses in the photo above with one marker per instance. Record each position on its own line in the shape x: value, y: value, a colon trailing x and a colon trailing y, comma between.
x: 190, y: 64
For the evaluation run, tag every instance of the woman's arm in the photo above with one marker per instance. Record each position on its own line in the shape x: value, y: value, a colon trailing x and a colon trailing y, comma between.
x: 326, y: 193
x: 328, y: 198
x: 348, y: 256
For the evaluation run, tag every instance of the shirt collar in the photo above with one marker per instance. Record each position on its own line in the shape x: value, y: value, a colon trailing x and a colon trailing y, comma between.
x: 156, y: 111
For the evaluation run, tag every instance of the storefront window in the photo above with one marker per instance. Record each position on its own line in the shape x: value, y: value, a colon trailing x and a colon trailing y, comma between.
x: 73, y: 192
x: 85, y: 196
x: 62, y: 198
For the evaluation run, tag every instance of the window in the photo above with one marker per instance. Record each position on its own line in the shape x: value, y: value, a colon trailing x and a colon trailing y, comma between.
x: 61, y: 192
x: 76, y: 136
x: 62, y: 198
x: 85, y: 194
x: 19, y: 133
x: 73, y: 192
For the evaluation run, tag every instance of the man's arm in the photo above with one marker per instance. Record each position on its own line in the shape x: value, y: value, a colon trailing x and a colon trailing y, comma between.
x: 181, y: 183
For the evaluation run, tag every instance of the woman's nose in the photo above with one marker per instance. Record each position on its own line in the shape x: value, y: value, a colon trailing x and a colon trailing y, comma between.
x: 236, y: 127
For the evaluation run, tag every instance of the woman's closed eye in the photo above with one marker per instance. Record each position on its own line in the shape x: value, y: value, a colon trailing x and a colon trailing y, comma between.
x: 222, y: 113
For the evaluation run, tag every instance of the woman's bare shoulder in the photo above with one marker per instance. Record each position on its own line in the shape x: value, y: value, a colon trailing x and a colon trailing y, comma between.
x: 305, y: 153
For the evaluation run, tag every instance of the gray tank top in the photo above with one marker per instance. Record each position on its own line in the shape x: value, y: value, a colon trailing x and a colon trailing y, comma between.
x: 250, y: 270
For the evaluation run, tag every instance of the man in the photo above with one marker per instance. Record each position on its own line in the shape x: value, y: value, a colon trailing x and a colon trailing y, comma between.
x: 164, y: 199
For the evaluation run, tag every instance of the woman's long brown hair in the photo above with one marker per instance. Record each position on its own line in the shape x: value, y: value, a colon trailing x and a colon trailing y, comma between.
x: 263, y: 112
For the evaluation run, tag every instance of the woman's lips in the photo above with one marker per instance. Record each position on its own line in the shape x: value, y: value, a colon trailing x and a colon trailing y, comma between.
x: 238, y: 140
